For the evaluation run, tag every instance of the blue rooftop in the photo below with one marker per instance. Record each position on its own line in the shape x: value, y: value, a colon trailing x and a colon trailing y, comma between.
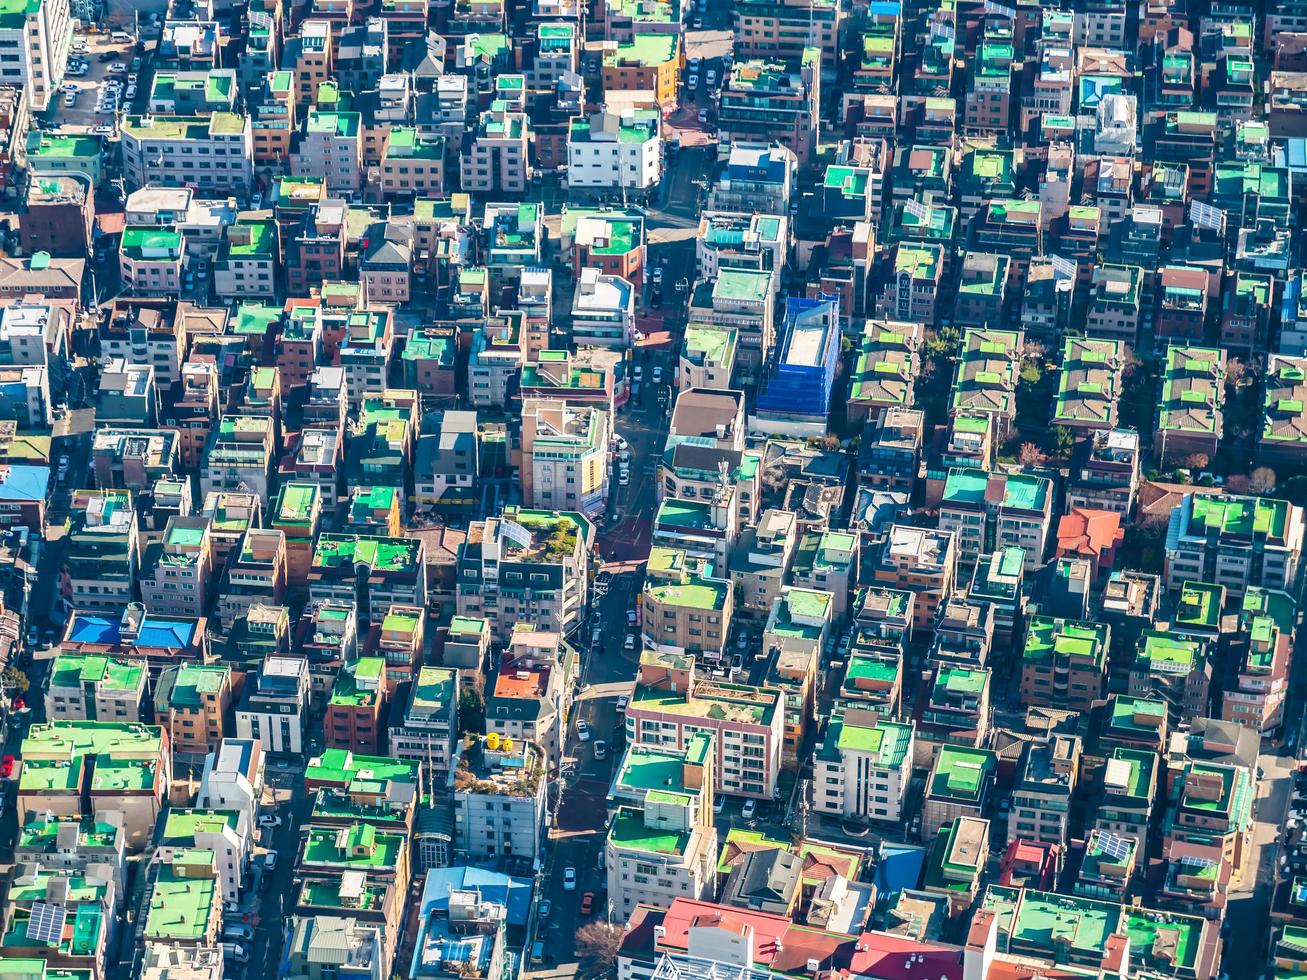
x: 159, y: 632
x: 504, y: 889
x: 24, y: 482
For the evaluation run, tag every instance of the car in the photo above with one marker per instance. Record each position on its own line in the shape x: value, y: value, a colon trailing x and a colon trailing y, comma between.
x: 601, y: 750
x: 587, y: 903
x: 270, y: 861
x: 231, y: 908
x: 235, y: 951
x: 630, y: 642
x: 238, y: 930
x: 624, y: 478
x: 545, y: 908
x: 658, y: 276
x: 101, y: 130
x: 718, y: 804
x: 737, y: 662
x: 693, y: 64
x: 637, y: 373
x: 107, y: 56
x: 635, y: 389
x: 742, y: 640
x: 711, y: 78
x: 692, y: 81
x: 749, y: 809
x: 256, y: 200
x: 583, y: 731
x: 122, y: 37
x: 117, y: 68
x: 621, y: 443
x: 703, y: 115
x: 77, y: 71
x: 131, y: 91
x: 569, y: 879
x: 657, y: 375
x: 70, y: 99
x: 136, y: 63
x: 269, y: 820
x: 7, y: 767
x: 624, y: 457
x: 80, y: 45
x: 622, y: 702
x: 631, y: 616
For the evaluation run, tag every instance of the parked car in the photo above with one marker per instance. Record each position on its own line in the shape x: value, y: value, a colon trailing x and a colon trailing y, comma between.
x: 117, y: 68
x: 238, y: 930
x: 569, y: 879
x: 70, y: 99
x: 711, y: 78
x: 622, y: 702
x: 658, y: 371
x: 270, y: 861
x: 269, y: 820
x: 122, y: 37
x: 718, y: 803
x: 749, y: 809
x: 545, y: 908
x: 657, y: 281
x: 7, y: 767
x: 587, y: 903
x: 601, y: 750
x: 235, y: 952
x: 624, y: 478
x: 637, y: 373
x: 101, y: 130
x: 630, y: 642
x: 583, y: 731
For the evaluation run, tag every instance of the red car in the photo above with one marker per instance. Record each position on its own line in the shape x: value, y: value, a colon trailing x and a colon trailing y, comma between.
x: 587, y: 903
x: 6, y: 767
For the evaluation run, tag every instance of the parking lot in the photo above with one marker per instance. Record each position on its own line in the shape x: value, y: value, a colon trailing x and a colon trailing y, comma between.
x: 106, y: 60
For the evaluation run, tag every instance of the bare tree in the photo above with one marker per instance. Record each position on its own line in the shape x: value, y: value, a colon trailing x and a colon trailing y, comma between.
x: 1030, y: 454
x: 1262, y: 480
x: 1195, y: 461
x: 597, y: 945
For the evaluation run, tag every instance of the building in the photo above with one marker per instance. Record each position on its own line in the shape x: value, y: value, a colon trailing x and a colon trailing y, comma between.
x: 1104, y: 472
x: 662, y: 845
x: 921, y: 561
x: 1044, y: 789
x: 686, y: 609
x: 93, y: 687
x: 607, y: 151
x: 988, y: 510
x: 1190, y: 414
x: 193, y: 702
x: 958, y: 785
x: 426, y: 730
x: 41, y: 35
x: 986, y: 375
x: 214, y: 154
x: 768, y: 100
x: 354, y: 709
x: 648, y: 65
x: 887, y: 363
x: 526, y: 566
x: 1284, y: 417
x: 274, y: 710
x: 862, y: 766
x: 795, y: 396
x: 1236, y: 542
x: 497, y: 161
x: 671, y: 704
x: 1087, y: 389
x: 564, y: 457
x: 498, y: 784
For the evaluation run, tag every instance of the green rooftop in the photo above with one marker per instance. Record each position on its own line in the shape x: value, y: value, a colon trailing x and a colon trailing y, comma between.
x: 181, y: 905
x: 629, y: 831
x: 960, y: 773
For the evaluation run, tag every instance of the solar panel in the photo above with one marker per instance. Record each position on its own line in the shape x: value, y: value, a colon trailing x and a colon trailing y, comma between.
x: 47, y: 922
x: 1064, y: 267
x: 1194, y: 861
x: 940, y: 29
x: 1206, y: 216
x: 916, y: 209
x: 1114, y: 846
x: 997, y: 8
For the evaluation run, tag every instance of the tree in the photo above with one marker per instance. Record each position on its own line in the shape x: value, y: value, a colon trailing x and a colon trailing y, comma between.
x: 1030, y: 454
x: 471, y: 713
x: 15, y: 680
x: 1030, y: 373
x: 597, y: 945
x: 1195, y: 461
x: 1261, y: 480
x: 1060, y: 440
x: 829, y: 442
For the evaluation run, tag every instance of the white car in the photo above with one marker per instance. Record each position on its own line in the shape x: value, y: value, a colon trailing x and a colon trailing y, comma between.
x: 270, y: 860
x: 622, y: 702
x: 583, y: 731
x: 657, y: 281
x: 101, y: 130
x: 569, y: 879
x: 269, y: 820
x: 131, y: 92
x: 70, y: 99
x: 630, y: 642
x: 601, y: 751
x: 749, y: 809
x: 637, y: 373
x: 657, y: 375
x: 711, y: 78
x: 703, y: 115
x: 624, y: 478
x: 117, y: 68
x: 692, y: 81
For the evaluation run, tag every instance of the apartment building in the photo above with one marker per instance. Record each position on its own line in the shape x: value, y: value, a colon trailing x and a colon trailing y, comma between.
x: 771, y: 99
x: 1191, y: 411
x: 921, y: 561
x: 373, y: 572
x: 176, y: 572
x: 526, y: 566
x: 530, y: 693
x: 274, y: 709
x: 988, y: 510
x: 214, y: 154
x: 1044, y: 788
x: 150, y: 260
x: 193, y: 701
x: 1087, y: 388
x: 1236, y: 542
x: 648, y: 64
x: 413, y: 164
x: 247, y: 262
x: 1262, y: 647
x: 95, y: 687
x: 426, y: 730
x: 497, y: 160
x: 40, y: 34
x: 564, y: 457
x: 862, y: 766
x: 887, y: 363
x: 498, y: 786
x: 609, y: 151
x: 986, y: 376
x: 1284, y: 416
x: 671, y: 705
x: 102, y: 555
x: 1064, y: 663
x: 958, y: 786
x: 686, y: 609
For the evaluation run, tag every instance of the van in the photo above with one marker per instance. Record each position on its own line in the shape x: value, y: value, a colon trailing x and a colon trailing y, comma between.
x: 538, y: 952
x: 122, y: 37
x: 236, y: 952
